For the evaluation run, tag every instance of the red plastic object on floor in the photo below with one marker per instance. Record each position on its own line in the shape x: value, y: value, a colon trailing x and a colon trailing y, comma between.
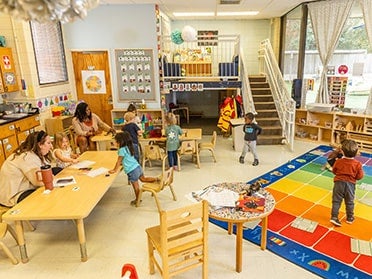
x: 129, y: 272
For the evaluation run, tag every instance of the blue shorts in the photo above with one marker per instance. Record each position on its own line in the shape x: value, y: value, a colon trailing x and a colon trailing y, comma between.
x: 135, y: 174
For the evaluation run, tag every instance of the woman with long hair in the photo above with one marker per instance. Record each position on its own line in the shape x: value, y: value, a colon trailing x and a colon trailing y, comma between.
x: 86, y: 125
x: 18, y: 172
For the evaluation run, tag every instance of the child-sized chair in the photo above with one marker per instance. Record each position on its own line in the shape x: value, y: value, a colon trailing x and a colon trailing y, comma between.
x: 209, y: 145
x: 166, y: 180
x: 152, y: 152
x: 180, y: 241
x: 188, y: 147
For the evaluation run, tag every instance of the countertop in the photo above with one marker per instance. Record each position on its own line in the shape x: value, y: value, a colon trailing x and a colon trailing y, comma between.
x: 14, y: 117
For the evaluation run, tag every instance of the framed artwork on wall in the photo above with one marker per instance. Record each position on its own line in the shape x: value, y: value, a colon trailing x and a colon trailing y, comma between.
x: 135, y: 74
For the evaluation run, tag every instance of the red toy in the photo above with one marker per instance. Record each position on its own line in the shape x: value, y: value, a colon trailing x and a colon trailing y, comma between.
x: 129, y: 272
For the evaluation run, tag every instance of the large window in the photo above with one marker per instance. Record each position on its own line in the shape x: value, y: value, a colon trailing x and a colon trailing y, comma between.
x: 49, y: 52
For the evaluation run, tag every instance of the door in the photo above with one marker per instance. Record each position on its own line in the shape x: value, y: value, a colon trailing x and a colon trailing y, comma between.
x: 100, y: 104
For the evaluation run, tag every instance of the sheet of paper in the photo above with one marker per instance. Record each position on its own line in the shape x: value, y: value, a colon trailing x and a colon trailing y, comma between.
x: 361, y: 246
x: 83, y: 164
x: 304, y: 224
x: 64, y: 181
x: 96, y: 172
x: 225, y: 198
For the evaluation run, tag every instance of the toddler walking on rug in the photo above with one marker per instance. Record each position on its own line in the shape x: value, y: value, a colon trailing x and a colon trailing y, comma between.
x: 347, y: 171
x: 251, y: 131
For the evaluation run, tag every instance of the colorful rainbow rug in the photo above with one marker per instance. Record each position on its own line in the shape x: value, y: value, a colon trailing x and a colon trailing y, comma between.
x: 300, y: 229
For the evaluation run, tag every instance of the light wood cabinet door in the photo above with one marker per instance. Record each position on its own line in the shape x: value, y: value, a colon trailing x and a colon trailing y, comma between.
x: 10, y: 144
x: 2, y: 154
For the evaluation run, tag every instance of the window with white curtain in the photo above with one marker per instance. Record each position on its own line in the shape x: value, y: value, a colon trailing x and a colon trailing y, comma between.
x: 49, y: 52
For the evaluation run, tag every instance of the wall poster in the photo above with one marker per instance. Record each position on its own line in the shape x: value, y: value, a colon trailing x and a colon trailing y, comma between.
x: 93, y: 82
x: 135, y: 70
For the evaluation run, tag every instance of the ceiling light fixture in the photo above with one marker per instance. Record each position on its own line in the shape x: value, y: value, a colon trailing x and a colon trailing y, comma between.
x: 186, y: 14
x: 246, y: 13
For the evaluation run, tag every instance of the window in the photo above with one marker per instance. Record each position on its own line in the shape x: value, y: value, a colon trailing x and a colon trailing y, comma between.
x: 49, y: 52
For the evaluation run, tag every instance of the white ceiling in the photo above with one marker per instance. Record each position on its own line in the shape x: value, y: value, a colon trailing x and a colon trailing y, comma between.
x: 267, y: 8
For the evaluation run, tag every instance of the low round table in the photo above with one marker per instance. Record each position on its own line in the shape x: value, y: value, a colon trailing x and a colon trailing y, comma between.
x: 238, y: 218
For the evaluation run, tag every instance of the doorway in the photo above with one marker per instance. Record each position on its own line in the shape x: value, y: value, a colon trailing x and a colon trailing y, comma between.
x: 97, y: 94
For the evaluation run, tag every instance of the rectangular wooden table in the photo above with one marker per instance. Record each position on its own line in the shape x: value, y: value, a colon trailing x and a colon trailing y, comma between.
x: 73, y: 202
x: 189, y: 134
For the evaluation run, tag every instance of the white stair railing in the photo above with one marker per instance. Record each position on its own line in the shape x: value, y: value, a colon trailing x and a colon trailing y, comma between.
x: 285, y: 105
x: 246, y: 93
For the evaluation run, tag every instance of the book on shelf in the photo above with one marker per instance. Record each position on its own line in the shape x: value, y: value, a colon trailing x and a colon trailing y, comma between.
x: 251, y: 203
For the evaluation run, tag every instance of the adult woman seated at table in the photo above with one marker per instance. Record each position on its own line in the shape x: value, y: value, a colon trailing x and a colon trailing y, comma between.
x: 87, y: 124
x: 18, y: 172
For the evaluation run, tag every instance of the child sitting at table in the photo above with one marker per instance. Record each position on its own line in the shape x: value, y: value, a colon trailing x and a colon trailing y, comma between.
x: 172, y: 132
x: 130, y: 165
x: 63, y: 153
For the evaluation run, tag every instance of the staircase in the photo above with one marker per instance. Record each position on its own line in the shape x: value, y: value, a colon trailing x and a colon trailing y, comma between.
x: 267, y: 116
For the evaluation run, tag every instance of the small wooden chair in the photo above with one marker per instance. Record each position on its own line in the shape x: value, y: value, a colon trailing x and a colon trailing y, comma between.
x: 209, y: 145
x: 181, y: 241
x: 188, y: 147
x: 4, y: 228
x: 166, y: 180
x: 152, y: 152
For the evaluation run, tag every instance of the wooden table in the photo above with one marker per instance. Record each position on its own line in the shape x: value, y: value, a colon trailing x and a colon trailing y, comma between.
x: 238, y: 218
x: 73, y: 202
x: 189, y: 134
x: 103, y: 141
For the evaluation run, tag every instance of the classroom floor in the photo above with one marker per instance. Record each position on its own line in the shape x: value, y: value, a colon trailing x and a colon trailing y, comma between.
x: 115, y: 231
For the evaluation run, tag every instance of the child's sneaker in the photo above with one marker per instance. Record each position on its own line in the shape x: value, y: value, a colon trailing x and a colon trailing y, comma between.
x: 336, y: 222
x: 255, y: 162
x: 241, y: 160
x: 350, y: 220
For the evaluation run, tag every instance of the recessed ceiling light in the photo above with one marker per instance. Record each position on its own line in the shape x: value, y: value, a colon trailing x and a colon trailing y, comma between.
x: 194, y: 14
x: 247, y: 13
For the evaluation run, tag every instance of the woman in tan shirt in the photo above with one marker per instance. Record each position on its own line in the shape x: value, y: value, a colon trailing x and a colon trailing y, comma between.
x: 87, y: 124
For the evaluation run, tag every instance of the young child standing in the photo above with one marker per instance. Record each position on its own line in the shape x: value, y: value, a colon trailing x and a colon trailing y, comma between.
x: 130, y: 165
x: 347, y: 171
x: 172, y: 132
x: 137, y: 120
x: 63, y: 153
x: 251, y: 131
x: 132, y: 128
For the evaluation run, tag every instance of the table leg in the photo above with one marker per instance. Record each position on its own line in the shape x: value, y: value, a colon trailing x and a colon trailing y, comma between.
x: 264, y: 232
x: 197, y: 154
x: 239, y: 246
x: 229, y: 227
x: 21, y: 241
x: 82, y: 240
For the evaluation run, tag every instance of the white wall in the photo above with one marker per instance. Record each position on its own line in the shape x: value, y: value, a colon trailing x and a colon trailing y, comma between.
x: 113, y: 27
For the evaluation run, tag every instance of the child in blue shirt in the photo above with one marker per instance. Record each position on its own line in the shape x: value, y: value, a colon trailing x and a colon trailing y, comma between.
x: 130, y: 165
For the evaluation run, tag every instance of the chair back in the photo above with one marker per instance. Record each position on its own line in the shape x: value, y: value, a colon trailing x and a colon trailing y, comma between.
x: 152, y: 152
x: 184, y: 237
x: 187, y: 147
x: 166, y: 178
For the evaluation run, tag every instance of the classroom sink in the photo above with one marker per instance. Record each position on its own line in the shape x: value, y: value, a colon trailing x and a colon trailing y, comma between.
x: 3, y: 121
x: 14, y: 115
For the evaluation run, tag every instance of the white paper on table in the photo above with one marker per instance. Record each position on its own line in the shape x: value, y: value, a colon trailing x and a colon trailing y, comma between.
x: 64, y: 181
x: 96, y: 172
x: 226, y: 198
x: 82, y: 164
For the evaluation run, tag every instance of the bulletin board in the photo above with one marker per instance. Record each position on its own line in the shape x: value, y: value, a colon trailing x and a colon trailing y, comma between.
x: 135, y: 70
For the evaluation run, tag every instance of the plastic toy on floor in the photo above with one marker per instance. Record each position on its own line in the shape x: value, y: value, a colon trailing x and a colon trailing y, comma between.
x: 129, y: 272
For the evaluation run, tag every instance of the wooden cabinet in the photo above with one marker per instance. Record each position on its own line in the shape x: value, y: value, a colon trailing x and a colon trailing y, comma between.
x: 326, y: 127
x: 57, y: 124
x: 157, y: 117
x: 14, y: 133
x: 8, y: 78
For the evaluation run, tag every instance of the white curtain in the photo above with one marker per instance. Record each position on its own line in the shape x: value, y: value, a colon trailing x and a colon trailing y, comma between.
x: 328, y: 19
x: 366, y: 6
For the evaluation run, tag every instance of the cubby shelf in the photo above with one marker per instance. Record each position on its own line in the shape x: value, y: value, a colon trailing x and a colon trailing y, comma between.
x: 326, y: 127
x: 157, y: 116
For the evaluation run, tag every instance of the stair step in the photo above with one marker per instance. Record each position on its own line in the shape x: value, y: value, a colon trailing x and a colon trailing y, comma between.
x: 264, y: 103
x: 269, y: 140
x: 265, y: 110
x: 259, y: 78
x: 267, y: 119
x: 259, y: 85
x: 262, y: 96
x: 273, y: 127
x: 261, y: 91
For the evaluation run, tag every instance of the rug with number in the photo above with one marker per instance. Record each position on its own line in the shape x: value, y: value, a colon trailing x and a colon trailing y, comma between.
x: 300, y: 229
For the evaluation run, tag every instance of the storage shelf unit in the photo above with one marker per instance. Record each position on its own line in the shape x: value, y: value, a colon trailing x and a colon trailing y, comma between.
x: 157, y: 116
x: 326, y: 127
